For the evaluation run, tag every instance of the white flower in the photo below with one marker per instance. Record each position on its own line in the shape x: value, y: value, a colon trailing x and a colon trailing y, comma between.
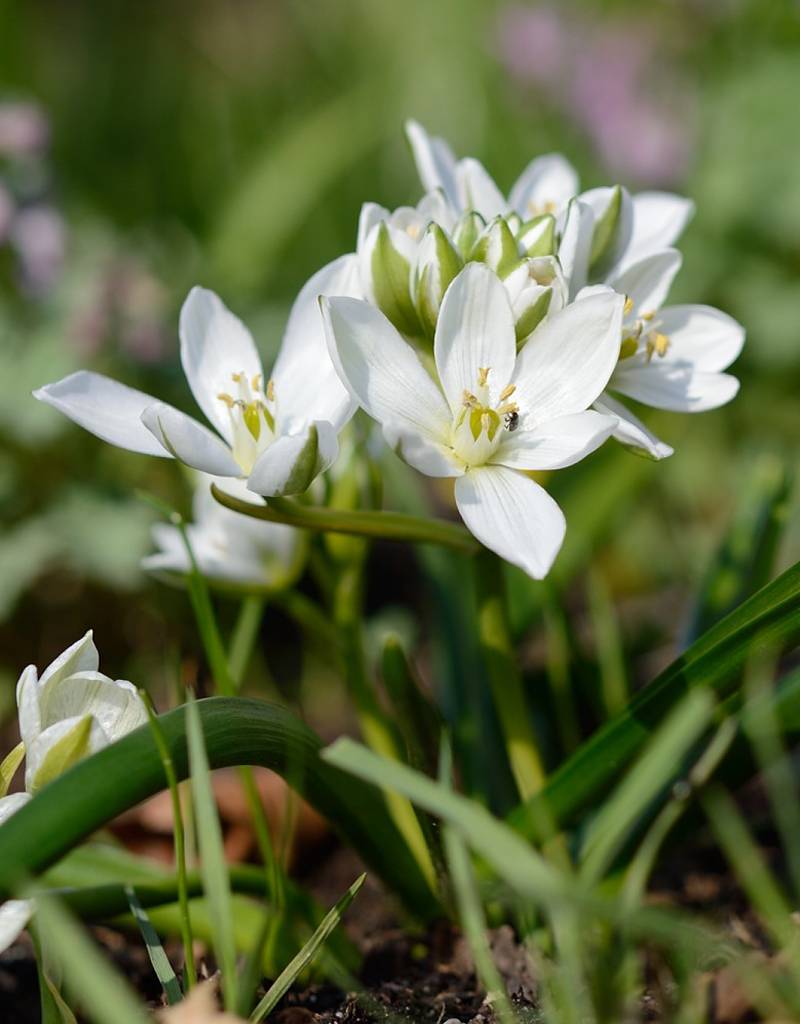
x: 228, y: 547
x: 71, y: 711
x: 278, y: 433
x: 671, y: 358
x: 642, y: 224
x: 491, y: 415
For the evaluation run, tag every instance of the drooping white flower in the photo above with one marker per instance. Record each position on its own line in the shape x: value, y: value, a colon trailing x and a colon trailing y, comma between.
x: 277, y: 432
x: 634, y: 226
x: 490, y: 415
x: 671, y: 358
x: 67, y: 713
x: 229, y: 548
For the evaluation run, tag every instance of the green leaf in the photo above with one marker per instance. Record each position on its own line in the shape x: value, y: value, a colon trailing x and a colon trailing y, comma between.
x: 212, y: 856
x: 237, y: 731
x: 158, y: 958
x: 9, y: 765
x: 88, y: 976
x: 283, y: 983
x: 769, y: 621
x: 746, y: 557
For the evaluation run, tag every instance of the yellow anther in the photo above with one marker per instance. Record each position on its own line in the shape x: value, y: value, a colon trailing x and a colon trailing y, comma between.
x: 483, y: 375
x: 648, y: 316
x: 227, y: 399
x: 469, y: 399
x: 236, y: 377
x: 507, y: 392
x: 256, y: 382
x: 506, y: 408
x: 413, y: 230
x: 271, y: 390
x: 628, y: 307
x: 657, y: 343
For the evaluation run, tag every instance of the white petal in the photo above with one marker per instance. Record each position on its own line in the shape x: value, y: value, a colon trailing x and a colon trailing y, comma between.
x: 478, y: 191
x: 114, y: 703
x: 648, y: 281
x: 436, y: 164
x: 11, y: 804
x: 428, y: 456
x: 307, y: 387
x: 549, y: 180
x: 576, y: 244
x: 107, y: 409
x: 39, y: 768
x: 665, y: 386
x: 701, y: 337
x: 292, y: 461
x: 189, y: 441
x: 382, y: 370
x: 14, y: 917
x: 370, y: 215
x: 569, y: 359
x: 631, y: 431
x: 557, y: 443
x: 82, y: 656
x: 658, y: 221
x: 512, y: 515
x: 30, y: 722
x: 215, y: 344
x: 475, y: 330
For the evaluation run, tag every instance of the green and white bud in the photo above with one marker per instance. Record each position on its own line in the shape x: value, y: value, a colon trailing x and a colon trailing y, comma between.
x: 467, y: 231
x: 535, y: 289
x: 497, y: 248
x: 386, y: 258
x: 613, y: 224
x: 438, y: 262
x: 537, y: 237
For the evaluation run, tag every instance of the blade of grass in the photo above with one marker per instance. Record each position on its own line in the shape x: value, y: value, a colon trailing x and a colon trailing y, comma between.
x: 286, y: 979
x: 158, y: 958
x: 104, y: 995
x: 212, y: 858
x: 190, y: 972
x: 608, y: 645
x: 652, y: 772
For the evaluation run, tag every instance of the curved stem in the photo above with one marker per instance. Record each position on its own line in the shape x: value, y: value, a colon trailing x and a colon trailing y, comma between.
x: 382, y: 525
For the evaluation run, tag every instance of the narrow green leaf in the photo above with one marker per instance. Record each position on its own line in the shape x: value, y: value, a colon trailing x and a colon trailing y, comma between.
x: 658, y: 765
x: 417, y: 716
x: 212, y: 857
x: 88, y: 976
x: 286, y: 979
x: 9, y: 765
x: 768, y: 621
x: 608, y: 645
x: 158, y: 958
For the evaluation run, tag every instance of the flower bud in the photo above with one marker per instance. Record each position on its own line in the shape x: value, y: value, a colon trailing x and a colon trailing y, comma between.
x: 497, y: 248
x: 467, y: 232
x: 385, y: 258
x: 613, y: 220
x: 535, y: 289
x: 438, y: 262
x: 537, y: 237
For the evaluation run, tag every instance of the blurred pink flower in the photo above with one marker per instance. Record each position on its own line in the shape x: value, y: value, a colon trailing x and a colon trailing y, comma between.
x: 611, y: 79
x: 39, y: 237
x: 24, y: 129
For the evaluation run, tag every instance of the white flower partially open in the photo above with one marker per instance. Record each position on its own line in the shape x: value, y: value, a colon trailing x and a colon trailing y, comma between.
x: 278, y: 433
x: 491, y: 416
x: 671, y: 358
x: 228, y: 547
x: 69, y: 712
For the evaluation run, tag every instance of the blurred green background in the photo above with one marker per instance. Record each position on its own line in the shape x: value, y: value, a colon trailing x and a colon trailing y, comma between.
x: 145, y: 147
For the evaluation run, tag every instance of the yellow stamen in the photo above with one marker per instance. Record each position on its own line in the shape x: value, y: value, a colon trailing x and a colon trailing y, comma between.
x: 483, y: 375
x: 657, y: 343
x: 507, y: 392
x: 628, y: 307
x: 227, y: 399
x: 236, y: 377
x: 648, y: 316
x: 628, y: 348
x: 271, y: 390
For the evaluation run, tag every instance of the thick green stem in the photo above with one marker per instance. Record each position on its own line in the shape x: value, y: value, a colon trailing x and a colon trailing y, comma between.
x: 382, y: 525
x: 505, y: 677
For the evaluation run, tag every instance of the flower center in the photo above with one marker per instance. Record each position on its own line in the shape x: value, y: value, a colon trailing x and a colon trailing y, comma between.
x: 478, y: 427
x: 539, y: 209
x: 642, y: 334
x: 251, y: 413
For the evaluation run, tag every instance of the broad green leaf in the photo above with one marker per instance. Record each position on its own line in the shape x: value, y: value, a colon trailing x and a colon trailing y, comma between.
x: 158, y: 958
x: 237, y: 731
x: 283, y: 983
x: 88, y: 976
x: 768, y: 621
x: 212, y: 856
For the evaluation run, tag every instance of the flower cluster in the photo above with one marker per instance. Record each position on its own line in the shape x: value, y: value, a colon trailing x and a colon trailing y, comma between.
x: 67, y: 713
x: 490, y: 336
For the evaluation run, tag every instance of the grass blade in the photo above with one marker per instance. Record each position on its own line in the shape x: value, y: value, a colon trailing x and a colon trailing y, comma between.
x: 158, y: 958
x: 285, y: 980
x: 212, y: 858
x: 102, y: 992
